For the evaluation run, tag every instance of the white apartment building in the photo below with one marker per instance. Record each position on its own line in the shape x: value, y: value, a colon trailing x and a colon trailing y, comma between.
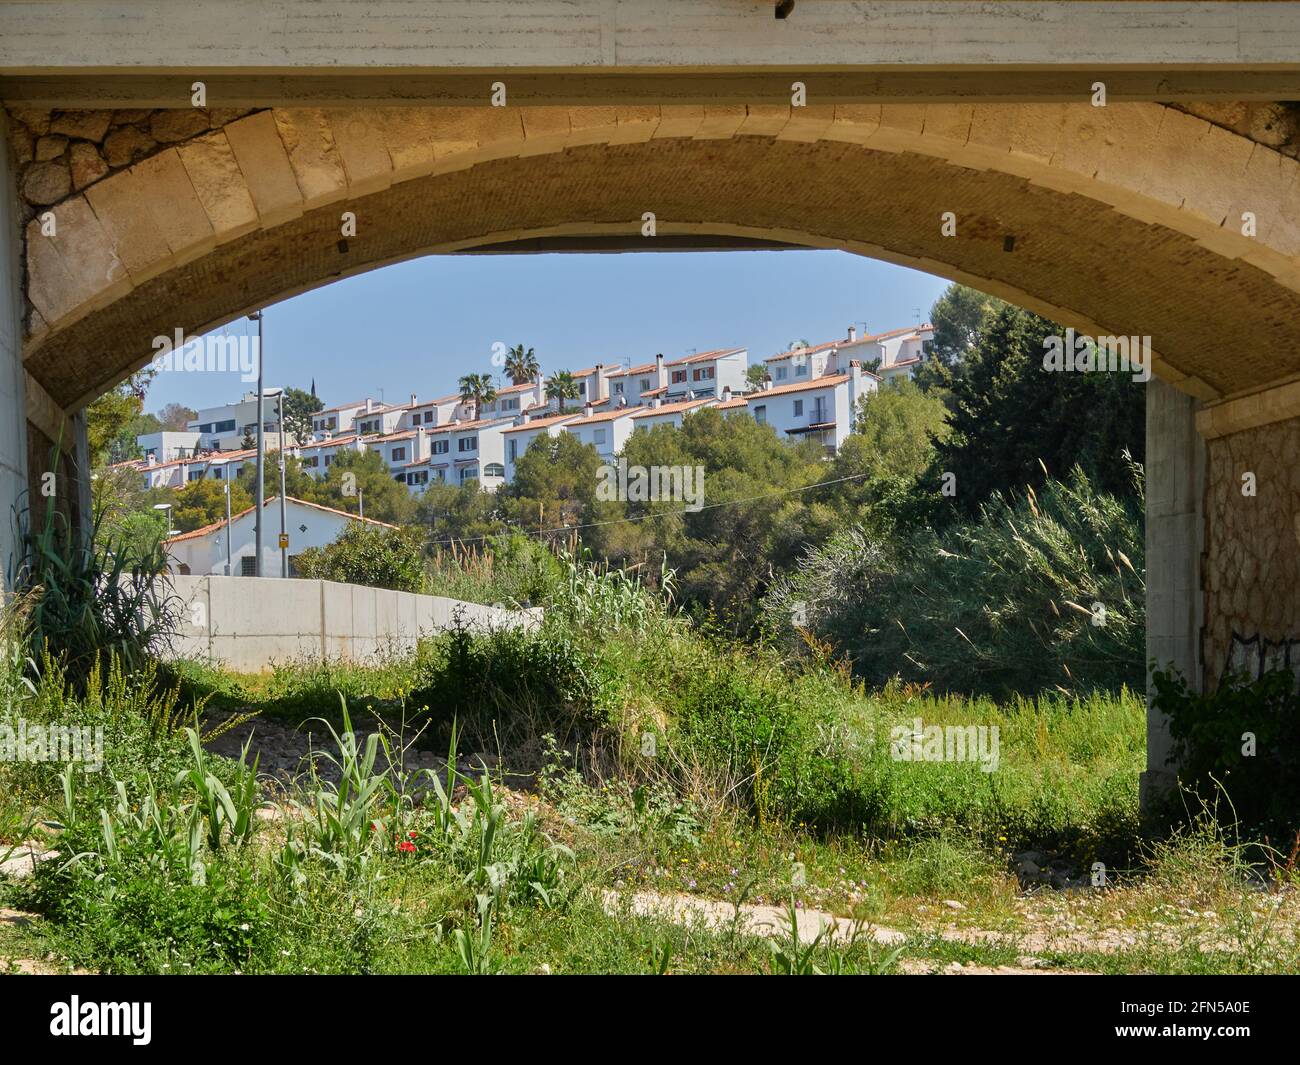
x: 168, y: 445
x: 224, y: 428
x: 433, y: 412
x: 706, y: 374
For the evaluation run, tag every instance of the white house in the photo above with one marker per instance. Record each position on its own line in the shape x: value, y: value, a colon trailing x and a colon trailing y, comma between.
x: 317, y: 458
x: 821, y: 409
x: 512, y: 400
x: 526, y: 429
x: 639, y: 384
x: 707, y: 373
x: 606, y: 431
x: 203, y: 551
x: 433, y: 412
x: 666, y: 413
x: 474, y: 451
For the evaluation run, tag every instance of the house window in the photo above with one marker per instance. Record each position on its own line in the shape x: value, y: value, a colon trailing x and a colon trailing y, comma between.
x: 599, y: 436
x: 428, y: 417
x: 311, y: 463
x: 399, y: 453
x: 494, y: 469
x: 226, y: 427
x: 467, y: 443
x: 469, y: 473
x: 400, y: 478
x: 801, y: 370
x: 780, y: 373
x: 618, y: 388
x: 440, y: 447
x: 645, y: 384
x: 819, y: 410
x: 194, y: 475
x: 248, y: 566
x: 798, y: 408
x: 514, y: 450
x: 582, y: 388
x: 329, y: 459
x: 679, y: 376
x: 760, y: 415
x: 705, y: 374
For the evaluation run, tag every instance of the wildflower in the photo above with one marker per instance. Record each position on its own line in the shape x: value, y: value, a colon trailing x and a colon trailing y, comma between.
x: 406, y: 847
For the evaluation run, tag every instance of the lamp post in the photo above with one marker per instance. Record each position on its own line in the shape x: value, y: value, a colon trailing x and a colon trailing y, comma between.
x: 226, y: 485
x: 284, y: 538
x: 256, y: 316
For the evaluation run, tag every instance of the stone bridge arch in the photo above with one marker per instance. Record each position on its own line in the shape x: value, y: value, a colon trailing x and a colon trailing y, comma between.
x: 1126, y: 219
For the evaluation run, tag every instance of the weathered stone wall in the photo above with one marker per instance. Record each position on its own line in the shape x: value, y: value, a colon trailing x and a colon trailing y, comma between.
x: 62, y: 152
x: 1252, y: 548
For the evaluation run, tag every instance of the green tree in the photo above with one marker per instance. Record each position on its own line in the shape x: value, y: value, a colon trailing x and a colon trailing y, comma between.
x: 958, y: 318
x: 755, y: 375
x: 298, y: 483
x: 521, y: 365
x: 370, y: 555
x: 299, y: 406
x: 753, y: 519
x: 203, y: 502
x: 458, y: 512
x: 477, y: 388
x: 1014, y: 422
x: 175, y: 417
x: 554, y: 485
x: 357, y: 478
x: 562, y: 386
x: 110, y: 419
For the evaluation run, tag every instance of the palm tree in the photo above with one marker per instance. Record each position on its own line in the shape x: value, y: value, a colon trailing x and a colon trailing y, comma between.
x: 562, y: 386
x: 477, y: 388
x: 522, y: 366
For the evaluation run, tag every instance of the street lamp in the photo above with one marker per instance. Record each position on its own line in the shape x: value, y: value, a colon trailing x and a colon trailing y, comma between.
x: 256, y: 316
x: 168, y: 508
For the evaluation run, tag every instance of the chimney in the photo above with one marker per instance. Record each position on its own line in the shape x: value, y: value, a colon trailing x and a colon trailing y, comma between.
x: 656, y: 402
x: 602, y: 384
x: 853, y: 333
x: 855, y: 383
x: 413, y: 399
x: 767, y: 382
x: 726, y: 393
x: 420, y: 440
x: 661, y: 375
x: 540, y: 391
x: 586, y: 410
x: 524, y: 418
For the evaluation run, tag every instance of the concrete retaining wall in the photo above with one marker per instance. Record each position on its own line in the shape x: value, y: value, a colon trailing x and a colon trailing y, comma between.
x: 250, y: 623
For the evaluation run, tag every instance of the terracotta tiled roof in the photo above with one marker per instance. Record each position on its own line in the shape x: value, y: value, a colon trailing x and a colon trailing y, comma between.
x: 829, y: 381
x: 607, y: 416
x: 706, y: 356
x: 194, y: 534
x: 648, y: 367
x: 670, y: 408
x: 539, y: 423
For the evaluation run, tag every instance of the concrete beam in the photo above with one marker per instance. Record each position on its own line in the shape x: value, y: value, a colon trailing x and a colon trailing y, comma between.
x: 576, y: 88
x: 1002, y: 44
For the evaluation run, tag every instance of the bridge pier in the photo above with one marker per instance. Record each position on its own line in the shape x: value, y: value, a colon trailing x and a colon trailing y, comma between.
x: 13, y: 419
x: 1175, y: 529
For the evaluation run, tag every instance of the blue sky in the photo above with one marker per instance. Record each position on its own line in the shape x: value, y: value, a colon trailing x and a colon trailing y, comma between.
x: 419, y: 326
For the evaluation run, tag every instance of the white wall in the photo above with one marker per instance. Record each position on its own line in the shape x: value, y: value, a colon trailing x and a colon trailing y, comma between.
x: 249, y: 624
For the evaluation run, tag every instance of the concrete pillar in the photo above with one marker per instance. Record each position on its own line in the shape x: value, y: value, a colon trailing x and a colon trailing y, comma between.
x: 1175, y: 533
x: 13, y: 421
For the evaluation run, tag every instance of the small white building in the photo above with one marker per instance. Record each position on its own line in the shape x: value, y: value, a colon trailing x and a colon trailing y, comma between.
x: 666, y: 413
x: 203, y: 551
x: 606, y: 431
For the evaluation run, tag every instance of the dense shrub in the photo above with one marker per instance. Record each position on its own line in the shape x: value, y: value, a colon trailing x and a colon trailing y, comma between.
x: 1042, y: 592
x: 369, y: 555
x: 1239, y: 743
